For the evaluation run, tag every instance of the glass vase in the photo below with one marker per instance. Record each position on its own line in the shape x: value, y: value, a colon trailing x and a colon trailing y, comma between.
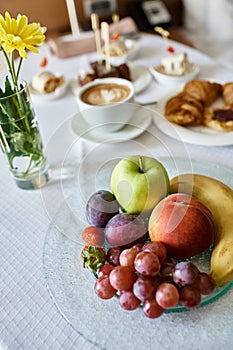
x: 20, y: 140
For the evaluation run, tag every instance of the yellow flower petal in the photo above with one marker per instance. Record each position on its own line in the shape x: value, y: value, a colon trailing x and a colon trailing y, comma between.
x: 18, y: 33
x: 32, y: 48
x: 7, y: 48
x: 22, y: 52
x: 21, y: 23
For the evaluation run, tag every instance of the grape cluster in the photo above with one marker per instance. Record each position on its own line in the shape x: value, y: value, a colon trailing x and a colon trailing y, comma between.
x: 144, y: 276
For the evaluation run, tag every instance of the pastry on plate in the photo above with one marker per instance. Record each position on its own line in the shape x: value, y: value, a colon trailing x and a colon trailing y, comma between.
x: 227, y: 92
x: 46, y: 82
x: 203, y: 90
x: 220, y: 119
x: 184, y: 109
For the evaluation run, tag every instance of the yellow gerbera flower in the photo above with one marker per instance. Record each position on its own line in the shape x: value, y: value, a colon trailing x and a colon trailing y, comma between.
x: 17, y: 34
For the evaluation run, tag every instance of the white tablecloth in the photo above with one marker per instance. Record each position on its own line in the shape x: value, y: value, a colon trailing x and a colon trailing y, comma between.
x: 29, y: 318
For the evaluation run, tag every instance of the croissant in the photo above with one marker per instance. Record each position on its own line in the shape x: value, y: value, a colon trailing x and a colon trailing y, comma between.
x: 227, y: 92
x: 204, y: 91
x: 184, y: 109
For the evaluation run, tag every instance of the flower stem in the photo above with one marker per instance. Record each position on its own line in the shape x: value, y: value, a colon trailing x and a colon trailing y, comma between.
x: 3, y: 141
x: 19, y: 67
x: 12, y: 70
x: 28, y: 167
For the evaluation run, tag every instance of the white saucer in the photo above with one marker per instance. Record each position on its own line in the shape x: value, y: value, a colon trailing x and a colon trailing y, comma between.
x: 138, y: 124
x: 141, y: 77
x: 133, y: 48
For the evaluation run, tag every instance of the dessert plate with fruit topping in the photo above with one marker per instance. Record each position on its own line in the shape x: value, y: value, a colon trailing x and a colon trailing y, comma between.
x: 72, y: 287
x: 163, y: 78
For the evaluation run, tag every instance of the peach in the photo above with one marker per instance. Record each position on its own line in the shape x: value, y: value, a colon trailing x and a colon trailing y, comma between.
x: 183, y: 224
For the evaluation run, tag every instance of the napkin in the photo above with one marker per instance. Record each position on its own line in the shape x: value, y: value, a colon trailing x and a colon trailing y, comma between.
x: 68, y: 46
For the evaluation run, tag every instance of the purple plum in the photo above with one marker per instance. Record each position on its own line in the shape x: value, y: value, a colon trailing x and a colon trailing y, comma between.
x: 125, y: 230
x: 101, y: 207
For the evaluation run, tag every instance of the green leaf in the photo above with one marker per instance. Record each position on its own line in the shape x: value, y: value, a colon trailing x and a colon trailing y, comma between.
x: 8, y: 89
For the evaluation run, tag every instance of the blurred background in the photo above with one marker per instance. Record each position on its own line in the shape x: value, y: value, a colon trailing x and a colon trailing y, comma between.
x: 205, y: 24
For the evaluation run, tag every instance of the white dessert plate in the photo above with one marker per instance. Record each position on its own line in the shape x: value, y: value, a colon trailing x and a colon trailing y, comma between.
x: 72, y: 287
x: 138, y: 124
x: 192, y: 72
x: 133, y: 49
x: 141, y: 78
x: 198, y: 135
x: 59, y: 92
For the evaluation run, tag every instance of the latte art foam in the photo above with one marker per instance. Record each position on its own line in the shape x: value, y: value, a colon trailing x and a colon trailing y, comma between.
x: 103, y: 94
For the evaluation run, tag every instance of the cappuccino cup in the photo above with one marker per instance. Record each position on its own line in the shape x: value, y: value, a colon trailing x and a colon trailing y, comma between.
x: 105, y: 103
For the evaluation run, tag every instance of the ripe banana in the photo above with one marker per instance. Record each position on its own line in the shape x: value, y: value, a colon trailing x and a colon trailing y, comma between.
x: 218, y: 197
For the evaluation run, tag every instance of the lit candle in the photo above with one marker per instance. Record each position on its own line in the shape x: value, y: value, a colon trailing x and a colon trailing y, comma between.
x: 72, y: 17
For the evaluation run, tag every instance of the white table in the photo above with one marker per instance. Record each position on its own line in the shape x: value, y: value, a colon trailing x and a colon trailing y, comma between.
x: 29, y: 318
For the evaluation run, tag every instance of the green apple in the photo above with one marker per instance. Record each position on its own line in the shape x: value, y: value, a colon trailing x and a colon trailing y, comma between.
x: 139, y: 183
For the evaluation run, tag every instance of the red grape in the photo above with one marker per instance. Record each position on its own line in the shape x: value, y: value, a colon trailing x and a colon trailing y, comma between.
x: 190, y: 297
x: 105, y: 270
x: 147, y: 263
x: 112, y: 255
x: 152, y: 309
x: 185, y: 273
x: 128, y: 300
x: 122, y: 277
x: 167, y: 295
x: 144, y: 288
x: 157, y: 248
x: 127, y: 257
x: 144, y: 275
x: 103, y: 288
x: 205, y: 283
x: 167, y: 268
x: 138, y: 247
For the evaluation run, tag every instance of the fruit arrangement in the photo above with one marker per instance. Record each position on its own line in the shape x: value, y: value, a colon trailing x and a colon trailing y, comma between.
x: 144, y: 232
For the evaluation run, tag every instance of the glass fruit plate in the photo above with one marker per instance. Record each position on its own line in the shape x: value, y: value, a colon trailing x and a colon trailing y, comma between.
x: 72, y: 287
